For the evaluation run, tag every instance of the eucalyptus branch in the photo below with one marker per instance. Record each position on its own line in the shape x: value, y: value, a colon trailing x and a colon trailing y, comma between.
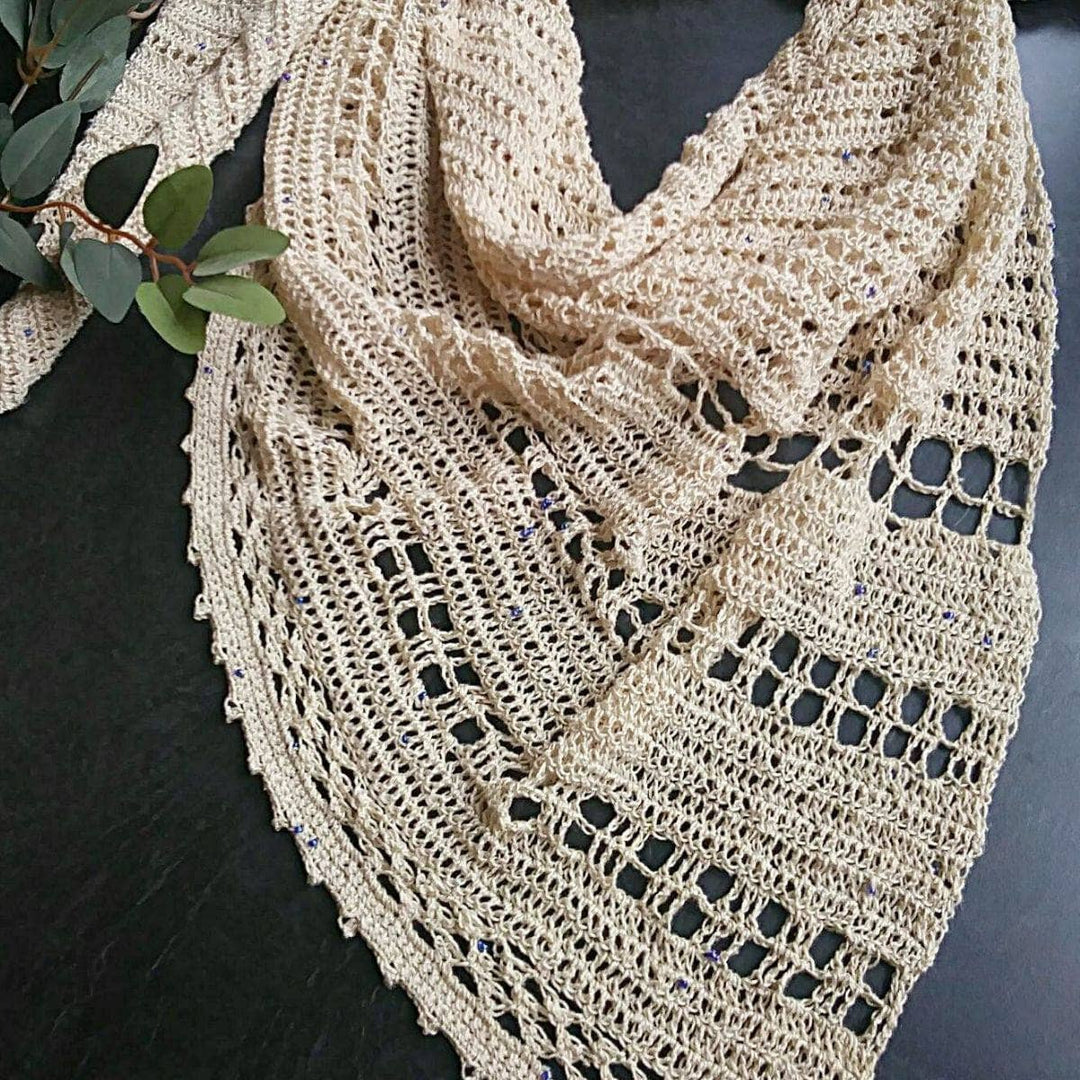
x: 16, y: 101
x: 31, y: 65
x: 29, y: 77
x: 86, y: 46
x: 35, y: 57
x: 149, y: 249
x: 137, y: 15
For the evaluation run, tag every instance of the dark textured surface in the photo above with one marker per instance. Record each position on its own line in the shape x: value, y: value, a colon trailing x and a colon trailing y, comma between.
x: 153, y: 925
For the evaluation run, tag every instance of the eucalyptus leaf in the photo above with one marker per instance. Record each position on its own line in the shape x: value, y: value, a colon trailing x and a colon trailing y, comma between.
x: 56, y: 56
x: 100, y: 83
x: 115, y: 184
x: 180, y: 325
x: 19, y: 254
x: 96, y: 64
x: 67, y: 264
x: 7, y: 125
x: 173, y: 210
x: 36, y: 153
x: 239, y: 297
x: 73, y: 19
x: 65, y: 233
x: 15, y: 19
x: 234, y: 247
x: 40, y: 30
x: 108, y: 274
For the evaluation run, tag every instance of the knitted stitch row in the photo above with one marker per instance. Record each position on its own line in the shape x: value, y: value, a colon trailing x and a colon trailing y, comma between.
x: 627, y: 612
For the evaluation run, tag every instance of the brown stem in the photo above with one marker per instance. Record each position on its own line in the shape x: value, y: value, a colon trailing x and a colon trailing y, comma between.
x: 36, y: 55
x: 138, y: 16
x: 148, y: 249
x: 36, y: 58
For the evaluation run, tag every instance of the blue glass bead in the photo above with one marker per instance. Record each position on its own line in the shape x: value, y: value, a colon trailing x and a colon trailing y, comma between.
x: 238, y: 673
x: 563, y: 526
x: 313, y: 842
x: 872, y: 653
x: 546, y: 1073
x: 949, y: 615
x: 516, y: 612
x: 860, y: 589
x: 846, y: 155
x: 713, y: 956
x: 422, y: 696
x: 870, y: 889
x: 208, y: 370
x: 28, y: 333
x: 546, y: 502
x: 682, y: 984
x: 297, y: 830
x: 296, y: 744
x: 987, y: 641
x: 871, y: 291
x: 867, y: 365
x: 404, y: 740
x: 302, y: 600
x: 201, y: 46
x: 481, y: 946
x: 286, y: 76
x: 528, y: 531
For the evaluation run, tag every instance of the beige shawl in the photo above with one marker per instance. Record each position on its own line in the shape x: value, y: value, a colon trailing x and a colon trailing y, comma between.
x: 627, y: 612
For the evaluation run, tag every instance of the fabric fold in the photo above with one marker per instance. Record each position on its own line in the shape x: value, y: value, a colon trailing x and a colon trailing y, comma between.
x: 780, y: 270
x: 628, y: 613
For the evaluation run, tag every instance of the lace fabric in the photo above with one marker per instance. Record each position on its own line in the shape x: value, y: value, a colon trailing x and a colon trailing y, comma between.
x: 628, y: 612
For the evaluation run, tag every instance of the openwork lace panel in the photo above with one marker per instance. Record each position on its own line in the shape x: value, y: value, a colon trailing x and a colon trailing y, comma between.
x: 627, y: 612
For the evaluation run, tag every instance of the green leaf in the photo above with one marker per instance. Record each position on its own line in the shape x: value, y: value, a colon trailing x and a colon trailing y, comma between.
x: 7, y: 125
x: 239, y: 297
x: 19, y: 254
x: 96, y: 64
x: 173, y: 210
x: 73, y: 19
x: 180, y: 325
x: 108, y: 274
x: 115, y: 184
x: 234, y: 247
x: 40, y: 32
x: 67, y: 254
x: 67, y: 262
x: 36, y: 153
x: 15, y: 19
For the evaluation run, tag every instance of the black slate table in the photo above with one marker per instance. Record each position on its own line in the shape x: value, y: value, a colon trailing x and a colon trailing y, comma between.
x: 153, y: 925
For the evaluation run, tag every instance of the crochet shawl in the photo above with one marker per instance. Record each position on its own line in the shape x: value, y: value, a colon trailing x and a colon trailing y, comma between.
x: 627, y: 612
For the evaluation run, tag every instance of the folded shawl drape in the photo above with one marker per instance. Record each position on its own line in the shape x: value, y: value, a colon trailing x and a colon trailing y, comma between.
x: 627, y: 611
